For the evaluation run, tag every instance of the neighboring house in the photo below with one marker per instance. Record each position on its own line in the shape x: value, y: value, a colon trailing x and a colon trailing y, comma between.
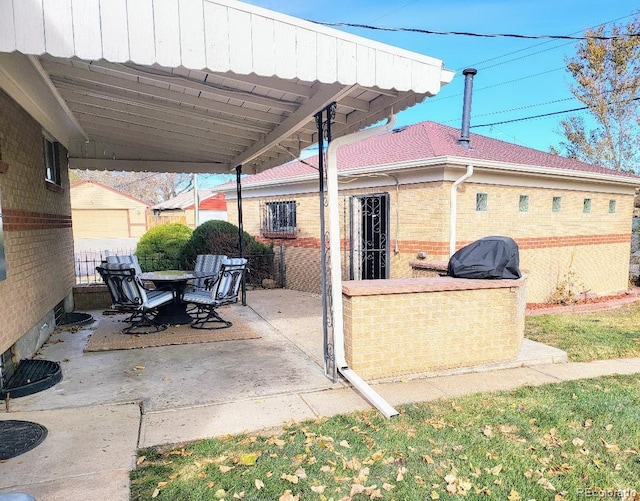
x: 402, y: 216
x: 98, y: 211
x: 181, y: 209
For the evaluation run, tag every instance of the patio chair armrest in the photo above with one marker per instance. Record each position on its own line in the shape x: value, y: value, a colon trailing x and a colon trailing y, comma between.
x: 209, y: 282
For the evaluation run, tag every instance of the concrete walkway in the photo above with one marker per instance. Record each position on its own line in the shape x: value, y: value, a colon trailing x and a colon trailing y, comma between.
x: 104, y: 409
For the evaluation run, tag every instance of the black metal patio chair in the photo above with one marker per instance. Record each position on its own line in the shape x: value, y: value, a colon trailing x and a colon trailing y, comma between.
x: 224, y: 291
x: 128, y: 295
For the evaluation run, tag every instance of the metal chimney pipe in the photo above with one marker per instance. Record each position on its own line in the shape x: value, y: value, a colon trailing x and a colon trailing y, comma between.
x: 466, y: 107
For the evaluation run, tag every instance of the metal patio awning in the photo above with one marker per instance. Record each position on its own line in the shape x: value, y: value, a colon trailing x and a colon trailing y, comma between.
x: 196, y: 85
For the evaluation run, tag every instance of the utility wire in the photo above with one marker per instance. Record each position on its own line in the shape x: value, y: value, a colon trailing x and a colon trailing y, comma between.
x: 538, y: 116
x: 483, y: 35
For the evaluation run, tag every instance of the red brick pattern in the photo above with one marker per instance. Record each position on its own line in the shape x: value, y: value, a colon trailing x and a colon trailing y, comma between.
x: 16, y: 220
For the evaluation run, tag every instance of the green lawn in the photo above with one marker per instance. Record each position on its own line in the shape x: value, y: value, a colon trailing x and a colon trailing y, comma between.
x: 559, y: 441
x: 589, y: 336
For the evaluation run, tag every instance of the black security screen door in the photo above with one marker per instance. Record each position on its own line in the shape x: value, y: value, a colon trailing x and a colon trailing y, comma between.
x: 369, y: 242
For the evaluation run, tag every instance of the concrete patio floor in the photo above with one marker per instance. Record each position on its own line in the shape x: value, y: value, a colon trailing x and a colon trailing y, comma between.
x: 104, y: 409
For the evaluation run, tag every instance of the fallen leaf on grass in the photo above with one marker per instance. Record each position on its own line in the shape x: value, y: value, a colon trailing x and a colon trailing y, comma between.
x: 258, y: 483
x: 287, y: 496
x: 140, y: 460
x: 514, y: 495
x: 248, y: 459
x: 609, y: 447
x: 290, y: 478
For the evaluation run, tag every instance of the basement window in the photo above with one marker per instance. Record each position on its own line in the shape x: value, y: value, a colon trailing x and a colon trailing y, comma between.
x: 523, y: 205
x: 612, y: 206
x: 278, y: 219
x: 586, y: 205
x: 482, y: 202
x: 556, y: 204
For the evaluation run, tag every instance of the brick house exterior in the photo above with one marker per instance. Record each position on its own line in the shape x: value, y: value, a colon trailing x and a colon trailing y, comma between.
x: 571, y: 221
x: 38, y: 238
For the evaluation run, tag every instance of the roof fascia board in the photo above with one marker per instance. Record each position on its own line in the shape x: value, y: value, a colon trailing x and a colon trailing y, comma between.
x: 21, y: 80
x: 148, y: 165
x: 544, y: 171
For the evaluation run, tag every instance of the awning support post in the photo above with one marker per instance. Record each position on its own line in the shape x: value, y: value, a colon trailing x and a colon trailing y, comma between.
x: 324, y: 133
x: 241, y: 229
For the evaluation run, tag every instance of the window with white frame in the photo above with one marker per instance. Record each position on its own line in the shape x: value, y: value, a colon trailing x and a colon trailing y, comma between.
x: 612, y: 206
x: 586, y: 205
x: 52, y: 161
x: 556, y: 205
x: 279, y: 219
x: 523, y: 205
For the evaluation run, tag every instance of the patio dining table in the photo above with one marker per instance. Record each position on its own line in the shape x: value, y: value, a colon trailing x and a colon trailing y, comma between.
x: 174, y: 313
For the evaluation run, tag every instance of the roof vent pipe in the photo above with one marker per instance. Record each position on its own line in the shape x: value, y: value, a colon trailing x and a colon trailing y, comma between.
x: 466, y: 106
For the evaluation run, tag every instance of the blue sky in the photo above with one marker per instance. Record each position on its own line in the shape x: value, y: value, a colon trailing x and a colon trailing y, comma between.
x: 516, y: 78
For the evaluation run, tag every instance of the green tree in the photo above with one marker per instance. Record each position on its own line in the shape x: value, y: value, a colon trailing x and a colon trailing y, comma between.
x: 221, y: 237
x: 607, y: 81
x: 162, y: 246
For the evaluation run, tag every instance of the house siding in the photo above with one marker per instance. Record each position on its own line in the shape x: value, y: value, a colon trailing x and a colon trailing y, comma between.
x: 591, y: 249
x: 38, y: 237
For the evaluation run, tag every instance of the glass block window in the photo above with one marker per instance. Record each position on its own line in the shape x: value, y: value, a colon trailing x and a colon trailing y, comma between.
x: 523, y: 205
x: 482, y: 202
x: 557, y: 204
x: 279, y: 219
x: 586, y: 205
x: 612, y: 206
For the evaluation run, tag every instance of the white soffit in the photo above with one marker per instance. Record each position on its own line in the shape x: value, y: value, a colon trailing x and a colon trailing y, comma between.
x: 196, y: 85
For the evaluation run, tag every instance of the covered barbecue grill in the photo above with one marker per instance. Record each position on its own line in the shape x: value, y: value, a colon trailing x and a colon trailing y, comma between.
x: 494, y: 257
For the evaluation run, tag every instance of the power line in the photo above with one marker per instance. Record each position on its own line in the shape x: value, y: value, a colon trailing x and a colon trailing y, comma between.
x: 475, y: 65
x: 544, y: 115
x: 483, y: 35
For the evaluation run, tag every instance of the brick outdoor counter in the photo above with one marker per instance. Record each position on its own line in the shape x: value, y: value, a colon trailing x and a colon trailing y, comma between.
x: 419, y: 325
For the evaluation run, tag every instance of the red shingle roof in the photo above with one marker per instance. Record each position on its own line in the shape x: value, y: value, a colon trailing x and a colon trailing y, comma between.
x: 423, y: 141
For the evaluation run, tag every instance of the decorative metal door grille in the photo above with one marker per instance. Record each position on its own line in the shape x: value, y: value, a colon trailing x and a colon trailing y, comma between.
x: 369, y: 240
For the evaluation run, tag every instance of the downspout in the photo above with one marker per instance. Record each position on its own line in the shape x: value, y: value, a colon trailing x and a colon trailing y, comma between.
x: 453, y: 219
x: 336, y: 267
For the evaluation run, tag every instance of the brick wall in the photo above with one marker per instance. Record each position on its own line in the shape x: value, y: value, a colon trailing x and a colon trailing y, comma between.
x: 395, y: 330
x: 594, y: 246
x: 37, y: 230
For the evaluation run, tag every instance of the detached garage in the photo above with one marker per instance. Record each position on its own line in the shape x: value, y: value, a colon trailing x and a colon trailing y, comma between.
x: 98, y: 211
